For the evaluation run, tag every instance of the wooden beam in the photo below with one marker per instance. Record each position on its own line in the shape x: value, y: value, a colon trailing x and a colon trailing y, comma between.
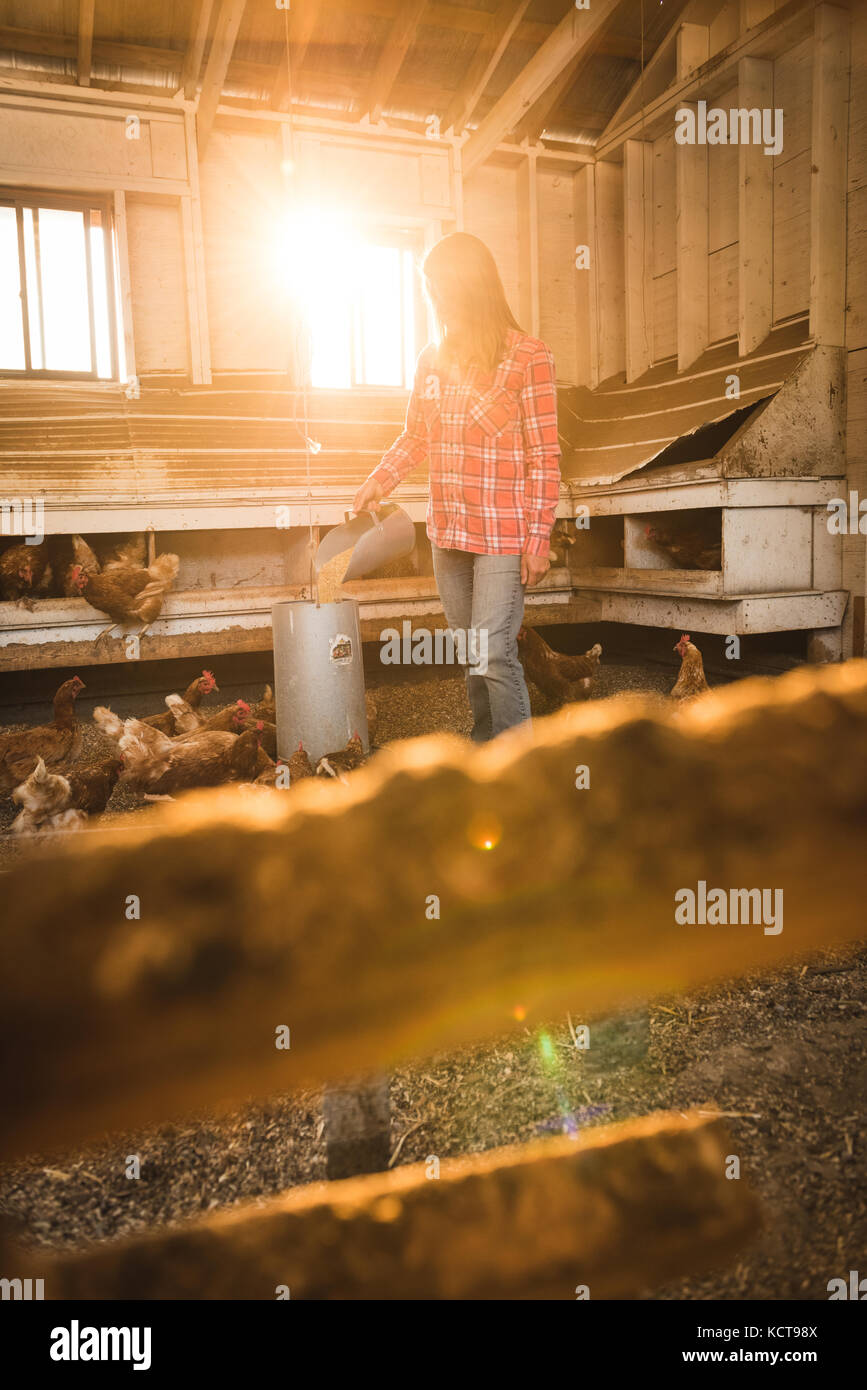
x: 302, y: 21
x: 533, y: 124
x: 693, y: 305
x: 397, y: 45
x: 571, y: 36
x: 638, y: 249
x: 492, y: 46
x: 200, y: 22
x: 179, y: 1009
x: 659, y: 70
x: 828, y: 186
x: 225, y: 34
x: 755, y: 214
x: 86, y: 9
x: 475, y: 1233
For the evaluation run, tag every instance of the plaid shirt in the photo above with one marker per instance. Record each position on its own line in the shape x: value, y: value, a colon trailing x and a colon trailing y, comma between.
x: 493, y: 450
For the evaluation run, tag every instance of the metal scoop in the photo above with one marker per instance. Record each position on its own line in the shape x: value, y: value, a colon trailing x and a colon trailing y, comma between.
x: 374, y: 541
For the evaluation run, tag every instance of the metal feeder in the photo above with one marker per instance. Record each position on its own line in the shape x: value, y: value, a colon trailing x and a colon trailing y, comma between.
x: 318, y: 666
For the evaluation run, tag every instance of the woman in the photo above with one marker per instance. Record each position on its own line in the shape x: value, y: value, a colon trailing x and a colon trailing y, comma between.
x: 483, y: 410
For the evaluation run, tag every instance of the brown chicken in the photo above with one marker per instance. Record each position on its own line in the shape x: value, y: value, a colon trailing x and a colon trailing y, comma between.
x: 126, y: 554
x: 347, y: 760
x: 127, y: 593
x: 229, y: 720
x: 691, y: 681
x: 25, y: 573
x: 54, y: 801
x: 54, y: 743
x: 690, y: 550
x: 185, y: 720
x: 244, y: 758
x: 156, y: 763
x: 193, y: 695
x: 266, y: 708
x: 557, y: 675
x: 91, y: 784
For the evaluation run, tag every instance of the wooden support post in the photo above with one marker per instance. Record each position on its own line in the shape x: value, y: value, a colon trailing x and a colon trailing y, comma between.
x: 607, y: 316
x: 121, y: 241
x: 528, y: 243
x: 692, y: 253
x: 582, y: 204
x: 513, y: 1223
x: 755, y: 214
x: 828, y: 187
x: 638, y: 252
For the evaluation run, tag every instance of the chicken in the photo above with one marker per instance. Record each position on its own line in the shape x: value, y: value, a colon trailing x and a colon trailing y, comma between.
x: 127, y: 593
x: 690, y: 550
x: 691, y: 681
x: 347, y: 760
x: 157, y: 763
x: 562, y: 540
x: 109, y: 723
x: 300, y: 765
x: 128, y: 553
x: 244, y: 758
x: 53, y: 801
x: 231, y: 719
x: 557, y: 675
x: 55, y: 743
x: 193, y: 695
x: 25, y: 573
x: 91, y: 784
x: 184, y: 718
x: 266, y: 708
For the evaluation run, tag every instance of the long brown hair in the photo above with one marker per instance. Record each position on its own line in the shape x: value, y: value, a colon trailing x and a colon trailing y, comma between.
x: 469, y: 303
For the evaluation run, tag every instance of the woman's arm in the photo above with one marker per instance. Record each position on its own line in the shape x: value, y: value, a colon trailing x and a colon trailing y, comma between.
x: 542, y: 452
x: 408, y: 451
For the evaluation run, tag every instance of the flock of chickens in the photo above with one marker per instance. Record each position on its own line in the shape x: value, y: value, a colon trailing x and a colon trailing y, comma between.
x: 186, y: 747
x: 158, y: 756
x: 123, y: 585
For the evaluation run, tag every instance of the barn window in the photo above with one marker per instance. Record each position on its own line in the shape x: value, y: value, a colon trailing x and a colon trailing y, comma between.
x: 360, y: 293
x: 57, y: 288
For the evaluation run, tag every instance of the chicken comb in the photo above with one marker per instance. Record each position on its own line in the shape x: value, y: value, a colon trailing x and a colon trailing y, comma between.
x: 242, y: 704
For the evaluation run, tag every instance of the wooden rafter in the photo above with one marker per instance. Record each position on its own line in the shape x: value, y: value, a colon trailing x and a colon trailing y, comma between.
x: 302, y: 22
x: 225, y: 34
x: 396, y: 47
x: 86, y: 11
x: 570, y: 38
x: 537, y: 118
x: 491, y: 48
x: 200, y: 21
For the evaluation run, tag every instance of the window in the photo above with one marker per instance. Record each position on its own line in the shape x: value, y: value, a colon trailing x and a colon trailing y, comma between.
x: 57, y: 288
x: 359, y: 292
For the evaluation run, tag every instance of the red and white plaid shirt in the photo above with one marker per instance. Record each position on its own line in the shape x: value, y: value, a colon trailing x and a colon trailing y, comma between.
x: 493, y: 450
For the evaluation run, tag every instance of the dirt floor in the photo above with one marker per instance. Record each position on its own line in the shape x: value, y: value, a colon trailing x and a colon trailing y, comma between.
x: 784, y: 1055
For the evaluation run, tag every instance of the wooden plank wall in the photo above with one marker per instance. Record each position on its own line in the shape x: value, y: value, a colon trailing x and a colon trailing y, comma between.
x: 793, y: 94
x: 492, y: 212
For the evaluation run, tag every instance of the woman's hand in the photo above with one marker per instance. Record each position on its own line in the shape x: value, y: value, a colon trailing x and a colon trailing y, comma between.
x: 368, y: 497
x: 533, y: 567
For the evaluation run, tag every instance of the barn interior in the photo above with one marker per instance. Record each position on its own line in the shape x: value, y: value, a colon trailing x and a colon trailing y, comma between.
x: 213, y: 215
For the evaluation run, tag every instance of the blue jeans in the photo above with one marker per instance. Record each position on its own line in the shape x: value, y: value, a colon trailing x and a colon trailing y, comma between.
x: 483, y: 594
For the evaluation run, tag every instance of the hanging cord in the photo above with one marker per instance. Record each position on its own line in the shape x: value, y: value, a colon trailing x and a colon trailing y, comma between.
x: 648, y: 251
x: 302, y: 348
